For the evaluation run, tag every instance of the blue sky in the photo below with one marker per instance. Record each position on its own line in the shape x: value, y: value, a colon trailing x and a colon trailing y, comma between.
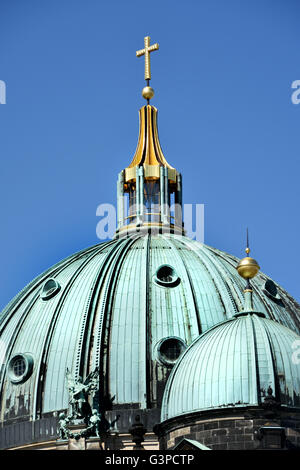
x: 222, y: 81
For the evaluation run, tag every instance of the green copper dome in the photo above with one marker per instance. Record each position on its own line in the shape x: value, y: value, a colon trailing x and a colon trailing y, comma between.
x: 245, y: 361
x: 112, y: 306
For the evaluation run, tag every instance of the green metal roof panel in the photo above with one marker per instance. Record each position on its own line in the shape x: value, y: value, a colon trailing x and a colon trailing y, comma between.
x: 127, y: 350
x: 210, y: 294
x: 64, y: 349
x: 172, y: 309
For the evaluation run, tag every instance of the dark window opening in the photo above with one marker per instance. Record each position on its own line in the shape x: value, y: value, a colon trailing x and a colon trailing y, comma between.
x: 170, y: 349
x: 166, y: 276
x: 19, y: 367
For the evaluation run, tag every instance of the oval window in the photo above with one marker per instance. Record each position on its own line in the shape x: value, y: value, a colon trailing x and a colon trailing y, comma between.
x: 166, y: 276
x: 271, y: 291
x: 170, y: 349
x: 20, y: 367
x: 50, y: 288
x: 271, y: 288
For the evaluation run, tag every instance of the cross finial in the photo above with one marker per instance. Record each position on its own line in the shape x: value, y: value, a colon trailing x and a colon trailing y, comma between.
x: 146, y: 52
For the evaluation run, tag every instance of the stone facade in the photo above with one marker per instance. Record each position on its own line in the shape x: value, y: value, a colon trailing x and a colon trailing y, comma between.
x: 240, y: 431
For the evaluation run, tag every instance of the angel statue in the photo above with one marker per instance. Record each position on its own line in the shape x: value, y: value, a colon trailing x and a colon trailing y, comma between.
x: 79, y: 391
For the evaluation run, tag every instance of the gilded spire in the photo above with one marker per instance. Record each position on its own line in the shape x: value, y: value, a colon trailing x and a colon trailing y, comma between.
x: 147, y: 92
x: 154, y: 187
x: 148, y: 151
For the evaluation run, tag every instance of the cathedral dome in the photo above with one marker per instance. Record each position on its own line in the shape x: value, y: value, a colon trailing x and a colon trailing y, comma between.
x: 116, y: 319
x: 245, y: 361
x: 129, y: 306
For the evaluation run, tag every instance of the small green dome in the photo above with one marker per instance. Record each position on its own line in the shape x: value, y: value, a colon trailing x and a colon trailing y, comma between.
x: 235, y: 364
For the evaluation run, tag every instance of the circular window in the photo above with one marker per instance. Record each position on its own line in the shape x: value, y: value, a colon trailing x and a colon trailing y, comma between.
x: 50, y: 288
x: 166, y: 276
x: 20, y: 367
x: 169, y: 350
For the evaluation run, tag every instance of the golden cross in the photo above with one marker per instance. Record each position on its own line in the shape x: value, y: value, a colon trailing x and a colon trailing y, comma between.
x: 146, y: 52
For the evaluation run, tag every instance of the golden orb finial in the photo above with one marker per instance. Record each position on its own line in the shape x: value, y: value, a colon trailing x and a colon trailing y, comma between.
x: 148, y: 92
x: 248, y: 267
